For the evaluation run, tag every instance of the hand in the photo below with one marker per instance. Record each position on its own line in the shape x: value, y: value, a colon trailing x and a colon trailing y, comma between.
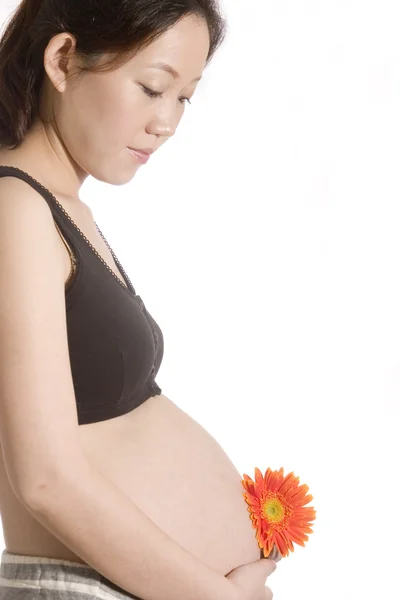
x: 248, y: 581
x: 274, y: 555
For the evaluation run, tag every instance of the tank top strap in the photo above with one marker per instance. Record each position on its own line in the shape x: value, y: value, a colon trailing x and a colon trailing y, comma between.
x: 76, y: 239
x: 62, y: 221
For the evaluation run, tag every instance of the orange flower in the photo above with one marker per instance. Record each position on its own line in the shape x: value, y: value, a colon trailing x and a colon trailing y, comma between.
x: 277, y: 510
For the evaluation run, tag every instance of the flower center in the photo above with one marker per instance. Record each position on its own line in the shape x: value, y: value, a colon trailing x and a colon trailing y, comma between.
x: 273, y: 510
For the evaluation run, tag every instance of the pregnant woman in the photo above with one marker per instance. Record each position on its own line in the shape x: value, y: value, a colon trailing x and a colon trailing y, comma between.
x: 107, y: 489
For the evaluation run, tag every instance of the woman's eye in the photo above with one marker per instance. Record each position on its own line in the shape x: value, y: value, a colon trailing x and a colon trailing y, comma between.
x: 151, y: 93
x: 154, y: 94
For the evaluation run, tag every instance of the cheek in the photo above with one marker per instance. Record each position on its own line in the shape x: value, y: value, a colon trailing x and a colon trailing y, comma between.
x: 105, y: 115
x: 117, y: 108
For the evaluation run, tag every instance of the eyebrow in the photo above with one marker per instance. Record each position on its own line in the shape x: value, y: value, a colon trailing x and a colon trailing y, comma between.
x: 169, y: 69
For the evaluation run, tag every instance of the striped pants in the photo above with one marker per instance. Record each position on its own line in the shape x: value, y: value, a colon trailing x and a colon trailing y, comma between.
x: 39, y: 578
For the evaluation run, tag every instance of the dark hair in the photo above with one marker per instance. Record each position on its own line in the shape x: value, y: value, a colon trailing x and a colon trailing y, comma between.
x: 120, y: 28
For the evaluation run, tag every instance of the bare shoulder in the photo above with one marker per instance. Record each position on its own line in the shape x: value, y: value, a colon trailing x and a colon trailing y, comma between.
x: 17, y: 195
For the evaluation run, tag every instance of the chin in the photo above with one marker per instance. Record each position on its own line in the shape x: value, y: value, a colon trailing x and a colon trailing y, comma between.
x: 116, y: 176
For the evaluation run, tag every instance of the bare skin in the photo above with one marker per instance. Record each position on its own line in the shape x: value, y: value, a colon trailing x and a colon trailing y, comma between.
x: 85, y: 130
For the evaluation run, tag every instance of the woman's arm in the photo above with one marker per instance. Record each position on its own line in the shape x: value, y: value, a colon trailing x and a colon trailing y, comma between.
x: 91, y: 515
x: 39, y: 430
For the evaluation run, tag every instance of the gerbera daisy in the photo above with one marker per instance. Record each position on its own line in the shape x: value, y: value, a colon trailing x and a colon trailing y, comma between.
x: 277, y: 510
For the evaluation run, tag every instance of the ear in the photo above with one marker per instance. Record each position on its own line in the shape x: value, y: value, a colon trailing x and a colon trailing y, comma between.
x: 60, y: 59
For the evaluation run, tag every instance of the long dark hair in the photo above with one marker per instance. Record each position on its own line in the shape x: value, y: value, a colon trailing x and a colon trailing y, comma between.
x: 120, y: 28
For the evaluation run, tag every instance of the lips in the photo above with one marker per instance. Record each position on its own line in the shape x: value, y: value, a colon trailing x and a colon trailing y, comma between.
x: 145, y: 153
x: 141, y: 157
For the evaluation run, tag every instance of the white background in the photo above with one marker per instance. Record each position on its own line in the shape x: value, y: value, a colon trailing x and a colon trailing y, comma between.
x: 264, y: 239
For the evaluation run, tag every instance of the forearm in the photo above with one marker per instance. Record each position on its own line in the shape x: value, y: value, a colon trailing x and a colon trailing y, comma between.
x: 99, y: 523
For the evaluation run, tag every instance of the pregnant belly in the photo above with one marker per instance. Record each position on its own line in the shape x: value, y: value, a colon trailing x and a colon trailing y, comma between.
x: 170, y: 467
x: 179, y: 476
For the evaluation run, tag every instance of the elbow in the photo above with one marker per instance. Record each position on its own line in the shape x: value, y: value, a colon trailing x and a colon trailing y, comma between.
x: 51, y: 487
x: 33, y: 497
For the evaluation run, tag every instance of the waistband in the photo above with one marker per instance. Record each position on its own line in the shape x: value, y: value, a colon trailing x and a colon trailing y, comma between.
x: 63, y: 578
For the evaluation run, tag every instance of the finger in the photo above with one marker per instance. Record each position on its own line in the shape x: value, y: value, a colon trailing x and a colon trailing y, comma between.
x: 269, y: 566
x: 268, y: 593
x: 275, y: 554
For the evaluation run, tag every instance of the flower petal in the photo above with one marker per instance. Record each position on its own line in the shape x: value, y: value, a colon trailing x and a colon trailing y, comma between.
x: 276, y: 509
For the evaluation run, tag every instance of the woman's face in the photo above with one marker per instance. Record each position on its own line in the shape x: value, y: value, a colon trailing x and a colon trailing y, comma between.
x: 105, y: 113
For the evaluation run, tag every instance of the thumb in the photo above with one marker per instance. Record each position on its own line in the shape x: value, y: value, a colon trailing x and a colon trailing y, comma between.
x: 267, y: 565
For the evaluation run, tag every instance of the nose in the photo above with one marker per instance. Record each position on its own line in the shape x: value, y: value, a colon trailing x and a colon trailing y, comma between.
x: 165, y: 130
x: 165, y: 124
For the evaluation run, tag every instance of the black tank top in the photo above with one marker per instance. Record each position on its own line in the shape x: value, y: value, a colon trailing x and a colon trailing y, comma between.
x: 115, y: 346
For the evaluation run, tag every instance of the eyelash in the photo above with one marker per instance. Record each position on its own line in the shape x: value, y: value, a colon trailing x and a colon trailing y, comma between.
x: 154, y: 94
